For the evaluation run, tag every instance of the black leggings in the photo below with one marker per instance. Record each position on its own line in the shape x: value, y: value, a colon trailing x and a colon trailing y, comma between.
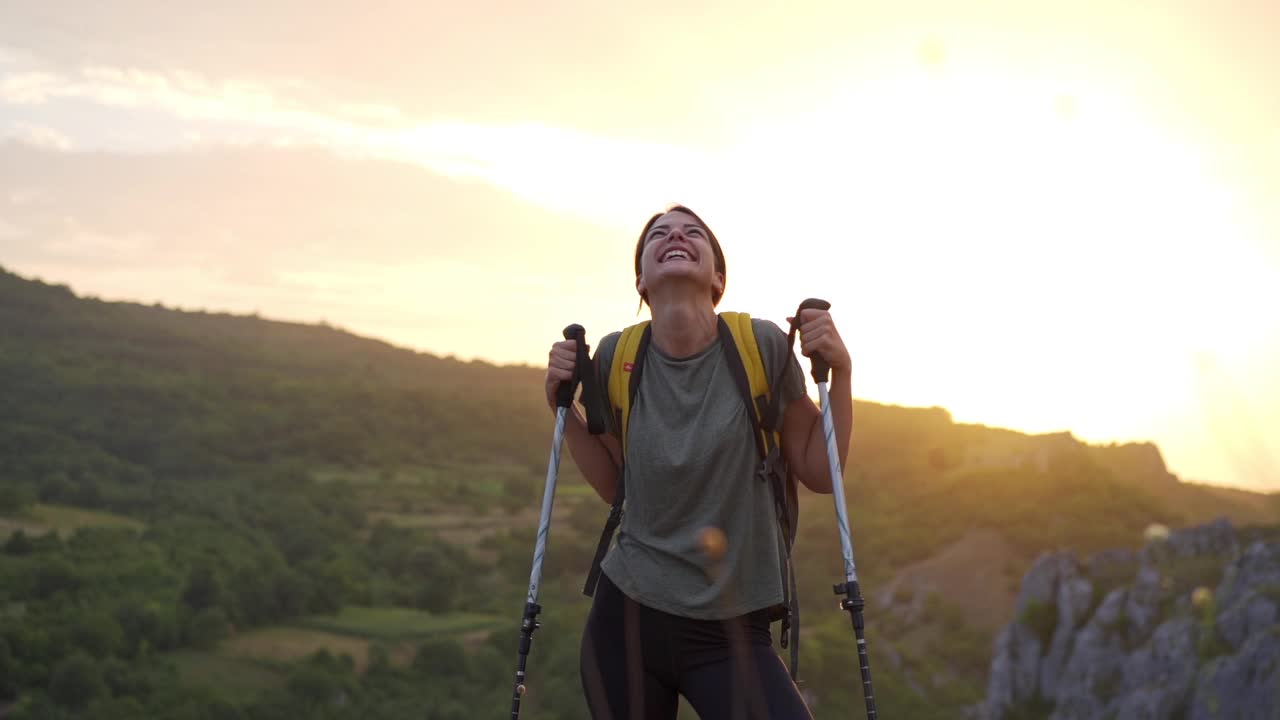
x: 636, y: 660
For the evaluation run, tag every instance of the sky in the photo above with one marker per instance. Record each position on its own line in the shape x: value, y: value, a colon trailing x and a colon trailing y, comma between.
x: 1051, y: 216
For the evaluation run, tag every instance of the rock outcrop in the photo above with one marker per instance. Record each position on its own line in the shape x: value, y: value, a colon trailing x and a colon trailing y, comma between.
x: 1188, y: 627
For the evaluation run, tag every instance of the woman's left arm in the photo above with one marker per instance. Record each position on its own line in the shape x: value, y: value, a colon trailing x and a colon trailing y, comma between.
x: 804, y: 439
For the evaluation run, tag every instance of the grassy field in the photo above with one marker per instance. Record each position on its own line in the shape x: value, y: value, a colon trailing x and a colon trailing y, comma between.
x: 463, y: 527
x: 228, y: 674
x: 40, y: 519
x: 252, y: 661
x: 287, y: 644
x: 397, y: 623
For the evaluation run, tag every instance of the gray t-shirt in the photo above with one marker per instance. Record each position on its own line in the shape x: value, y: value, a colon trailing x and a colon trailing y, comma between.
x: 691, y: 464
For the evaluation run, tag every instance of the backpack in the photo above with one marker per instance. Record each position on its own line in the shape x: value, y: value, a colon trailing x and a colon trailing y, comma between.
x: 742, y: 352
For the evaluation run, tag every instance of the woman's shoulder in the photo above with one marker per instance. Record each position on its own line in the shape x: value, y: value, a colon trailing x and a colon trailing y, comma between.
x: 773, y: 344
x: 768, y: 330
x: 607, y: 343
x: 770, y: 338
x: 604, y: 350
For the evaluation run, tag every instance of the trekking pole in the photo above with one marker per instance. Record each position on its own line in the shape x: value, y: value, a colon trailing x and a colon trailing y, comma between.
x: 564, y: 398
x: 852, y: 601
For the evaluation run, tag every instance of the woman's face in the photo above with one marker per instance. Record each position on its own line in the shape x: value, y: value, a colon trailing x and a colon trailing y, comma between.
x: 677, y: 248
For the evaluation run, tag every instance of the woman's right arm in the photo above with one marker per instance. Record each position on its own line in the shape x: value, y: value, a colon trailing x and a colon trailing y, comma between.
x: 598, y: 457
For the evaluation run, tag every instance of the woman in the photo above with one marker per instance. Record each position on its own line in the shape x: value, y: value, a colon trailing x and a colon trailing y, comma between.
x: 664, y: 622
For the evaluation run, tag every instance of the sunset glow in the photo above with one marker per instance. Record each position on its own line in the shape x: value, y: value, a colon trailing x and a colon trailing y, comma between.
x: 1066, y: 219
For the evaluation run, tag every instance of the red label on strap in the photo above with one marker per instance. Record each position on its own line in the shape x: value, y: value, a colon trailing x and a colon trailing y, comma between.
x: 628, y: 367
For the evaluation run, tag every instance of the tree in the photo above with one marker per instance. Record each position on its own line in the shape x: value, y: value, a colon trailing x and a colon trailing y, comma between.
x: 120, y: 708
x: 8, y: 672
x: 437, y: 576
x: 38, y: 707
x: 440, y: 658
x: 379, y: 660
x: 322, y: 680
x: 18, y: 544
x: 291, y: 591
x: 87, y: 494
x: 255, y: 601
x: 326, y: 593
x: 127, y: 679
x: 98, y: 633
x: 77, y: 681
x: 436, y: 595
x: 13, y: 497
x: 147, y: 625
x: 202, y: 589
x: 208, y: 628
x: 56, y: 487
x: 55, y: 576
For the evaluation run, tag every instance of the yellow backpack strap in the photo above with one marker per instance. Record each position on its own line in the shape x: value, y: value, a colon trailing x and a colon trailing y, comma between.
x: 782, y: 487
x: 624, y: 379
x: 744, y: 337
x: 621, y: 371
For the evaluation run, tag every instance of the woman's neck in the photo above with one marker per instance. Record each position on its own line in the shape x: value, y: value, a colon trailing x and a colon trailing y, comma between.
x: 684, y: 328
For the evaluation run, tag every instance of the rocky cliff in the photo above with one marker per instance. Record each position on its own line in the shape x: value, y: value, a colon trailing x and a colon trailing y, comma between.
x: 1187, y: 627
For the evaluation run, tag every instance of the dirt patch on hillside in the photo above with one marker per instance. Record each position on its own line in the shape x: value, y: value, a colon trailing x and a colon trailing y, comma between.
x: 972, y: 573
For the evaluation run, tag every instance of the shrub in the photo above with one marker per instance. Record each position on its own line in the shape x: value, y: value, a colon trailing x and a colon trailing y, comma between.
x: 1042, y: 619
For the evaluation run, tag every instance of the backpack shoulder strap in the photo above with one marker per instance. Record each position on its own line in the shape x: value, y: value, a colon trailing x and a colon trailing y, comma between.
x: 624, y: 381
x: 758, y: 386
x: 742, y: 351
x: 624, y: 374
x: 748, y: 368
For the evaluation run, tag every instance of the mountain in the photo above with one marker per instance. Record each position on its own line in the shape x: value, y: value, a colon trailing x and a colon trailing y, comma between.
x: 1186, y: 627
x: 343, y: 471
x: 191, y: 394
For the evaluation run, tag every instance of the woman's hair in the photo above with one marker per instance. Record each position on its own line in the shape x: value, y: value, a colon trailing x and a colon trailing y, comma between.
x: 715, y: 247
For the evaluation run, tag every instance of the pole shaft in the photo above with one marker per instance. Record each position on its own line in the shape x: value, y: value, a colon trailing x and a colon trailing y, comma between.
x: 853, y: 594
x: 837, y: 485
x: 531, y: 608
x: 548, y: 500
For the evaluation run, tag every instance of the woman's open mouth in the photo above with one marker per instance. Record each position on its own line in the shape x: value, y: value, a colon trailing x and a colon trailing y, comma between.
x: 676, y: 254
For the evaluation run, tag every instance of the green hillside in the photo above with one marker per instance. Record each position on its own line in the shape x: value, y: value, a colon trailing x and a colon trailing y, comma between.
x: 176, y: 487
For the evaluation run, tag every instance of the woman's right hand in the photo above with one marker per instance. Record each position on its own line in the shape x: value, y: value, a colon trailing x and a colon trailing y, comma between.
x: 560, y: 364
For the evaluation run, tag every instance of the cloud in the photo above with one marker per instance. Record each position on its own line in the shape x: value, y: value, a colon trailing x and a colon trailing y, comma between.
x: 373, y: 113
x: 9, y: 231
x: 14, y: 58
x: 558, y: 168
x: 381, y: 246
x: 180, y: 92
x: 41, y: 137
x: 556, y: 64
x: 28, y: 88
x: 284, y: 202
x: 86, y: 245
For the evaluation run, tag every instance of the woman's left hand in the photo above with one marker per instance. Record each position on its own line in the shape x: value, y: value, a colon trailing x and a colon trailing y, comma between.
x: 818, y: 335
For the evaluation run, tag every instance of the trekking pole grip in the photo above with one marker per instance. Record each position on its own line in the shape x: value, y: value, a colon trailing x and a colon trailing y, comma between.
x: 820, y: 370
x: 564, y: 393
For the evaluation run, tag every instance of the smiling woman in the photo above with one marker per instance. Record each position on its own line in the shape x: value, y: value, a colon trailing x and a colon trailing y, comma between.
x: 673, y: 614
x: 680, y: 257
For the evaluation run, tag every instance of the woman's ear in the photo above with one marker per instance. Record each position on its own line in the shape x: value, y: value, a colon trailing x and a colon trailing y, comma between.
x: 718, y: 283
x: 640, y: 286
